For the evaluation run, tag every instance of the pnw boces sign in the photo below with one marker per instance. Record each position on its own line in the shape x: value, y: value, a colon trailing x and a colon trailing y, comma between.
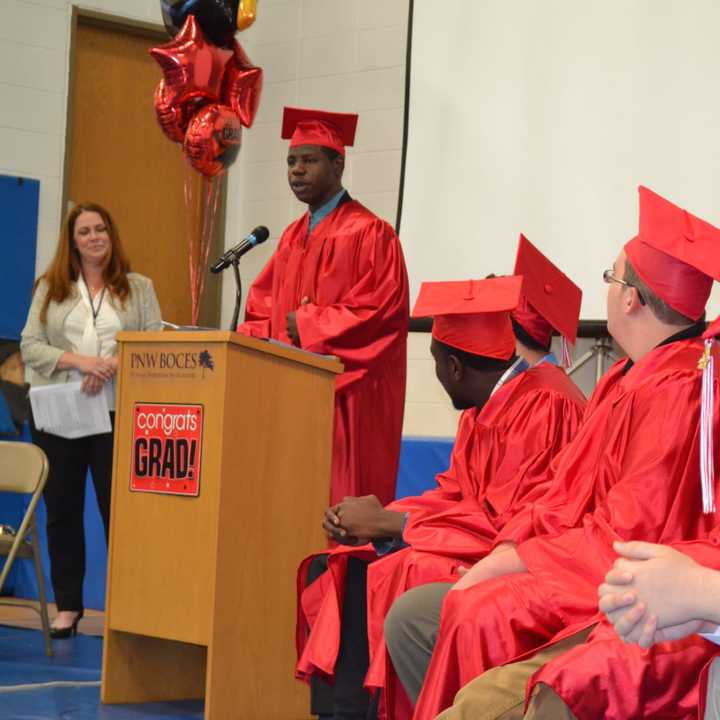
x: 166, y: 448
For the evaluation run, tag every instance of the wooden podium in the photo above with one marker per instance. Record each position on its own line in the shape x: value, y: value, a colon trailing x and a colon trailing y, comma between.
x: 201, y: 588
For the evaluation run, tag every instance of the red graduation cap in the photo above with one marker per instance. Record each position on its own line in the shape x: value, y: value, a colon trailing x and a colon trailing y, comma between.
x: 676, y: 254
x: 551, y: 300
x: 318, y: 127
x: 472, y: 315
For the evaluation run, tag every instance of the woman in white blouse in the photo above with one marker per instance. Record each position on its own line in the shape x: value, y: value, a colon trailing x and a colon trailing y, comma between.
x: 84, y: 298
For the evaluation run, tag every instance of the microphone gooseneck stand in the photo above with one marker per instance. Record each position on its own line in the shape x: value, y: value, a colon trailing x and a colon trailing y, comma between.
x: 238, y: 294
x: 232, y: 257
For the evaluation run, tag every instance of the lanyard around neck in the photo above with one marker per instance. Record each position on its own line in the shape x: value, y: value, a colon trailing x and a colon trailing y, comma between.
x: 95, y: 310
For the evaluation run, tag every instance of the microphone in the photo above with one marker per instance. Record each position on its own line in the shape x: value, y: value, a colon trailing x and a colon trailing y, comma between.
x: 259, y: 235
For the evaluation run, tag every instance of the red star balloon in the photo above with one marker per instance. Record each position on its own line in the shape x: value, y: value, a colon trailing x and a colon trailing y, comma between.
x: 173, y: 119
x: 192, y: 67
x: 242, y: 86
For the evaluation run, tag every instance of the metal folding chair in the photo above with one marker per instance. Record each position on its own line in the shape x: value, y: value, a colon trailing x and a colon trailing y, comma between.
x: 24, y: 469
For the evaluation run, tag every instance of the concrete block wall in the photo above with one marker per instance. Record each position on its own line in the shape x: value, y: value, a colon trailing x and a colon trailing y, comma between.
x: 348, y: 56
x: 34, y: 67
x: 342, y: 55
x: 345, y: 55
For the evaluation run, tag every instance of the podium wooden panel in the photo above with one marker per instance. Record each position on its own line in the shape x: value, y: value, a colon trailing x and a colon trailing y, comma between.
x: 201, y: 590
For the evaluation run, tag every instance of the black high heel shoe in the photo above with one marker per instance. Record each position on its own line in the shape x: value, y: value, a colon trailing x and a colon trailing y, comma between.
x: 66, y: 632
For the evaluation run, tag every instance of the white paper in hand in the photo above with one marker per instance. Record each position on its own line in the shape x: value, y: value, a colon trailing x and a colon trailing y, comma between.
x: 65, y: 410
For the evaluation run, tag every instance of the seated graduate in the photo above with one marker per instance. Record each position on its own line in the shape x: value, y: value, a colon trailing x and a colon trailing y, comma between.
x: 660, y: 593
x: 631, y: 472
x: 518, y: 412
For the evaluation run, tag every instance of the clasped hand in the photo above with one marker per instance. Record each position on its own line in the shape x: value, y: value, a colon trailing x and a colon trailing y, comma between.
x: 97, y: 371
x: 357, y: 520
x: 649, y: 592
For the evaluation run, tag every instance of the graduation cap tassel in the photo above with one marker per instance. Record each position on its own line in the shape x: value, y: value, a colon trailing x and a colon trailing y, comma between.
x: 707, y: 466
x: 566, y: 358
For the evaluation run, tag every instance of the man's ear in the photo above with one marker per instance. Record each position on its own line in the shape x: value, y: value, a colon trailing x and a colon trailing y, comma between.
x: 339, y: 162
x: 631, y: 301
x: 457, y: 371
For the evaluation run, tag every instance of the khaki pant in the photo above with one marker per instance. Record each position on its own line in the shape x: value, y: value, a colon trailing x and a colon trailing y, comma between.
x: 411, y: 628
x: 499, y: 694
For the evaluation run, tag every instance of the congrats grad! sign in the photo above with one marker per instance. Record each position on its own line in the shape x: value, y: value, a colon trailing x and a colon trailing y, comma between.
x: 166, y: 446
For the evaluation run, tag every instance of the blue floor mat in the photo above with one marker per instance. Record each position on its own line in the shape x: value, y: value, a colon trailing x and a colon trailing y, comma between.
x: 83, y: 703
x: 67, y: 685
x: 23, y: 659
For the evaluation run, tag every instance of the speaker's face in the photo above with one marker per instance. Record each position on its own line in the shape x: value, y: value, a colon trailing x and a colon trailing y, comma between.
x: 313, y: 177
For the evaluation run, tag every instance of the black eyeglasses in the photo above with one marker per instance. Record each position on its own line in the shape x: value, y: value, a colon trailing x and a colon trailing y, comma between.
x: 608, y: 277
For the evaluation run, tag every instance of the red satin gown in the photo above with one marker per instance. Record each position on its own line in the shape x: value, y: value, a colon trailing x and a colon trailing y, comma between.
x: 501, y: 454
x: 351, y: 269
x: 631, y: 473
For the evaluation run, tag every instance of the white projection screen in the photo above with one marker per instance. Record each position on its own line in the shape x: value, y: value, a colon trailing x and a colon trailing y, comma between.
x: 543, y: 117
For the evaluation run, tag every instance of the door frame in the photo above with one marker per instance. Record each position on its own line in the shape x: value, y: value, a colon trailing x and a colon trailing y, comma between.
x: 143, y: 28
x: 85, y: 16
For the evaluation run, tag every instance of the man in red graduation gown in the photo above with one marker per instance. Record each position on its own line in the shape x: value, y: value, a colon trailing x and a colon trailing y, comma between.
x: 337, y: 285
x: 666, y: 598
x: 503, y: 444
x: 632, y: 472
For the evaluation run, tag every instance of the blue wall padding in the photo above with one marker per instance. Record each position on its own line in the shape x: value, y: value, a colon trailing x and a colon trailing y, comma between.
x: 421, y: 459
x: 18, y: 242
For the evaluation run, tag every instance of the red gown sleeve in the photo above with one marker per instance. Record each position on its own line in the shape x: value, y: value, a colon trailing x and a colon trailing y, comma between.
x: 510, y: 463
x: 559, y: 501
x: 644, y: 483
x: 370, y: 313
x: 258, y: 306
x: 705, y: 552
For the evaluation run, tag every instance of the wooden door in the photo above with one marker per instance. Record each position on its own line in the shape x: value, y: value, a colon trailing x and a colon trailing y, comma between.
x: 119, y: 158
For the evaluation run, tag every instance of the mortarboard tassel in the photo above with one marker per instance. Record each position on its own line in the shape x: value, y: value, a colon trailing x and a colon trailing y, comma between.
x: 707, y: 466
x: 566, y: 357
